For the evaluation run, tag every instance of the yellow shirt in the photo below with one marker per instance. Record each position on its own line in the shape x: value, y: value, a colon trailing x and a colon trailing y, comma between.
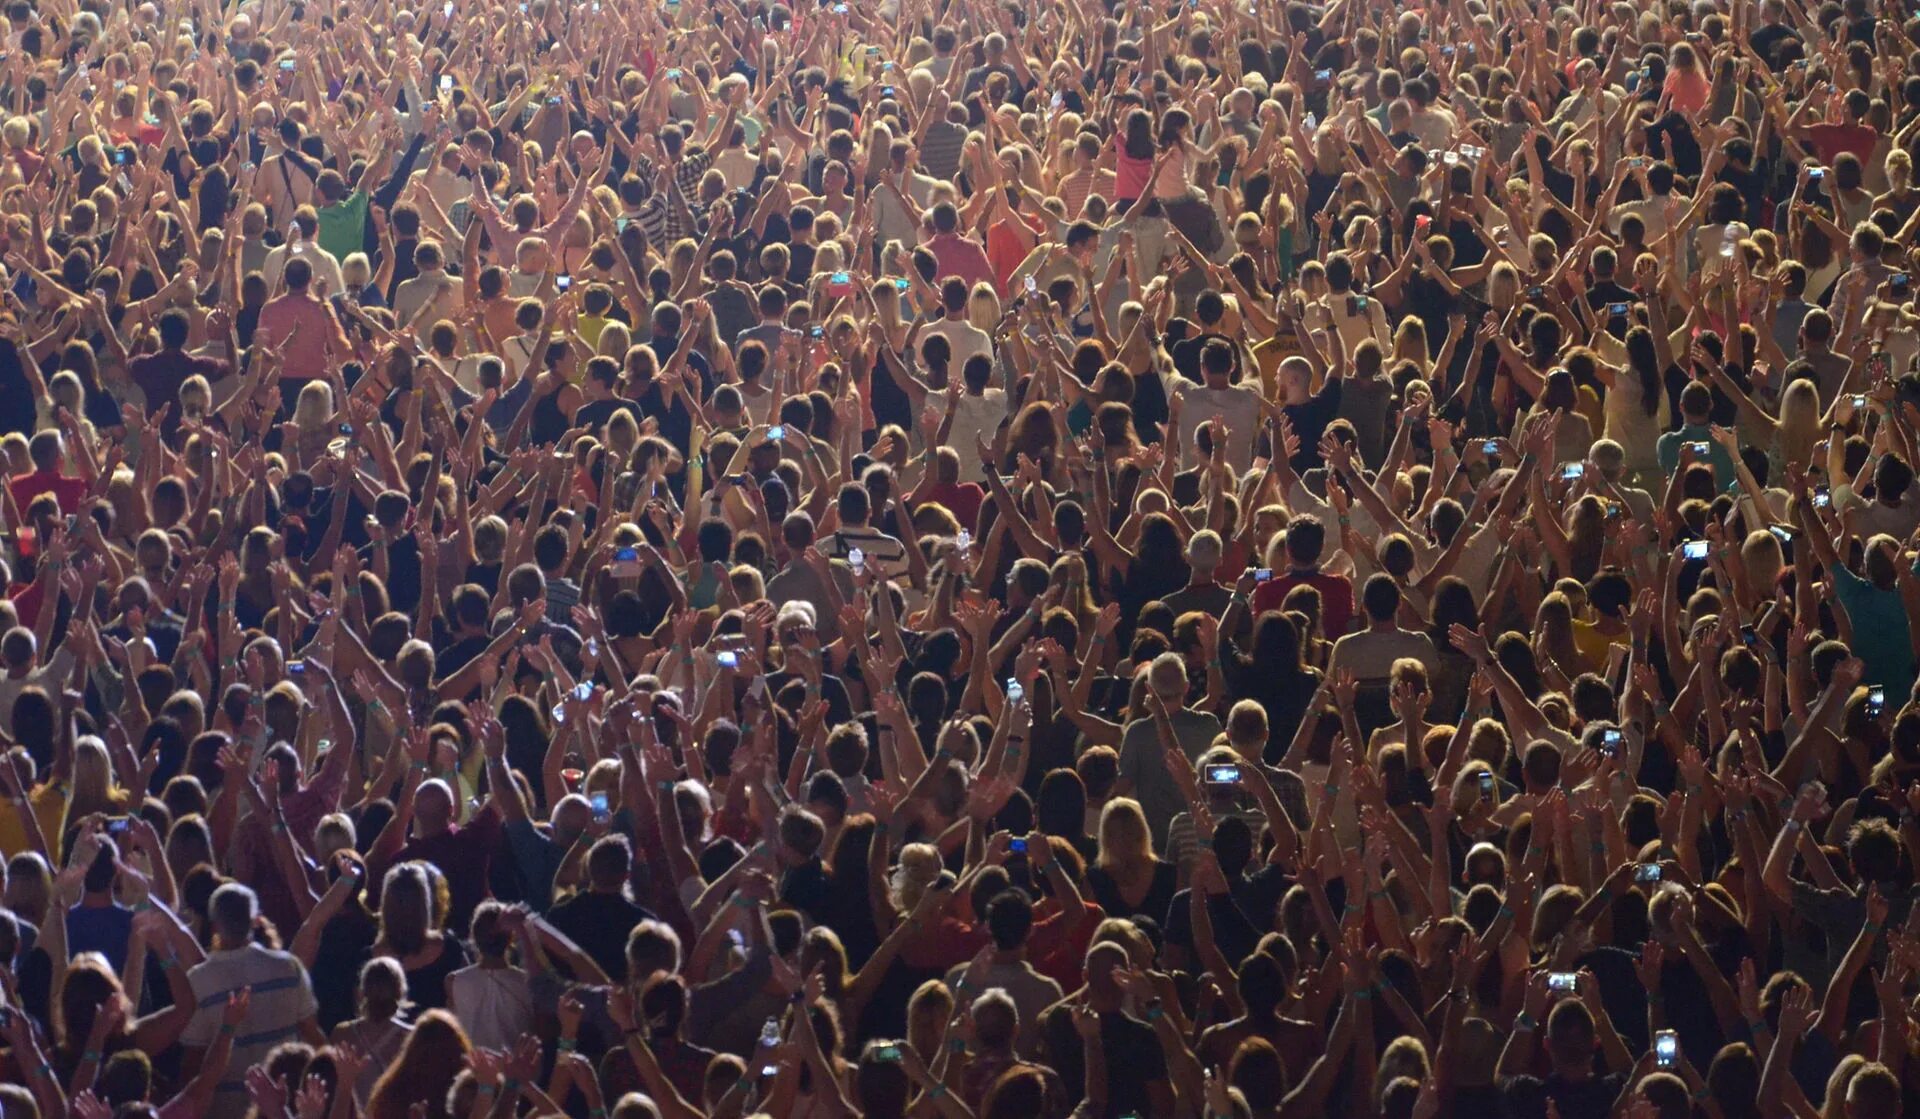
x: 1267, y: 356
x: 1592, y: 645
x: 49, y: 803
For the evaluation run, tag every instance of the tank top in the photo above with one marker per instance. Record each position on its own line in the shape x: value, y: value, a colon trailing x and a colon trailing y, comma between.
x: 548, y: 424
x: 1129, y: 174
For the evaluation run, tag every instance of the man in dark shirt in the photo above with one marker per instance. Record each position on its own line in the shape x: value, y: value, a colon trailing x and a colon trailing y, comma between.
x: 600, y: 919
x: 1773, y: 31
x: 603, y: 373
x: 1309, y: 412
x: 402, y: 575
x: 1605, y: 293
x: 161, y: 375
x: 996, y: 63
x: 803, y: 880
x: 1572, y: 1086
x: 1136, y: 1066
x: 466, y: 637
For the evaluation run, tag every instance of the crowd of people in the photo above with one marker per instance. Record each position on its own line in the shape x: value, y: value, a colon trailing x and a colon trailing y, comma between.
x: 695, y: 559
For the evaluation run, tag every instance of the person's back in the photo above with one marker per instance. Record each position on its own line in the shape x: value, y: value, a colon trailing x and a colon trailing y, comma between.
x: 281, y: 1007
x: 1370, y: 653
x: 494, y: 1004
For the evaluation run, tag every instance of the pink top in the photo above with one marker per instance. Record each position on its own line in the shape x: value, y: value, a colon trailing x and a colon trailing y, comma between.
x: 954, y: 255
x: 1129, y: 174
x: 1688, y: 90
x: 315, y: 336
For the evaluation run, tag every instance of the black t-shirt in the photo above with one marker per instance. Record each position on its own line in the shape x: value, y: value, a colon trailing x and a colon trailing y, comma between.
x: 804, y: 888
x: 403, y: 572
x: 596, y: 413
x: 1232, y: 932
x: 1310, y: 420
x: 1592, y: 1098
x: 599, y: 923
x: 1133, y: 1055
x: 1768, y: 39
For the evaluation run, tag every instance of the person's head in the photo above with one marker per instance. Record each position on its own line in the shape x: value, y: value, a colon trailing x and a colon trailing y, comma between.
x: 1570, y: 1038
x: 1009, y: 919
x: 1381, y: 598
x: 1874, y: 1093
x: 408, y: 916
x: 1306, y: 537
x: 1696, y: 403
x: 1125, y: 841
x: 231, y: 913
x: 381, y: 993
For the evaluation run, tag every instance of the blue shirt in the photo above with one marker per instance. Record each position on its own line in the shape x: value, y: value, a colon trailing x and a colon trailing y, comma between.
x: 100, y: 928
x: 1880, y: 637
x: 1668, y: 451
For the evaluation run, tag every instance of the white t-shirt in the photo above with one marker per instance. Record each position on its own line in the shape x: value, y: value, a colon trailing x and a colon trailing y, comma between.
x: 975, y: 417
x: 1238, y: 404
x: 964, y: 339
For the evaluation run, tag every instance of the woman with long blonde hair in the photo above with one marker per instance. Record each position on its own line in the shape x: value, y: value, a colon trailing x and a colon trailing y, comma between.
x: 1126, y: 877
x: 1410, y: 344
x: 1553, y: 643
x: 1788, y: 437
x: 93, y: 789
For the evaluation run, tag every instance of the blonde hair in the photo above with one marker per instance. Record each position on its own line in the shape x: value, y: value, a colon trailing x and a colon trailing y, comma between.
x: 314, y: 406
x: 919, y: 869
x: 1125, y: 841
x: 1799, y: 421
x: 983, y: 307
x: 615, y: 341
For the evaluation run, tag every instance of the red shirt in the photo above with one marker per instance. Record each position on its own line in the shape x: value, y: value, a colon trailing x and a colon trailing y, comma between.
x: 1052, y: 952
x: 68, y: 491
x: 954, y: 255
x: 1336, y: 598
x: 962, y: 500
x: 463, y: 854
x: 1832, y: 139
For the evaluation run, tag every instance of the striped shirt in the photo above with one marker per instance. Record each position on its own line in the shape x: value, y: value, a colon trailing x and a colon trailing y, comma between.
x: 282, y: 1000
x: 940, y: 148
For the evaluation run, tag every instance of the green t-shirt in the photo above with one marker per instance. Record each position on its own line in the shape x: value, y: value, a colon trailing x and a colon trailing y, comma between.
x: 1880, y: 636
x: 343, y: 225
